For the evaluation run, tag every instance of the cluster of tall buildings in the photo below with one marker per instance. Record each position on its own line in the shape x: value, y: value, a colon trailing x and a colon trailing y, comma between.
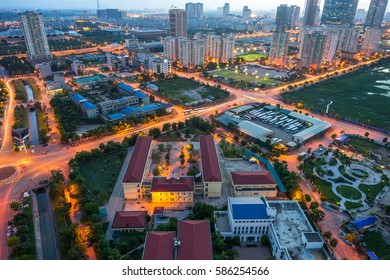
x: 287, y: 17
x: 194, y: 10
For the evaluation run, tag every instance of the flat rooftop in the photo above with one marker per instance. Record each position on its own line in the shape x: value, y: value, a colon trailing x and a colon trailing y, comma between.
x: 290, y: 223
x: 223, y: 222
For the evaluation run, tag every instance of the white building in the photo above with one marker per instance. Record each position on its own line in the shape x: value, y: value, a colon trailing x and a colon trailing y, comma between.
x: 194, y: 10
x: 283, y: 222
x: 35, y: 36
x: 162, y: 65
x: 44, y: 70
x: 190, y: 52
x: 227, y: 53
x: 78, y: 67
x: 177, y: 23
x: 371, y: 41
x: 219, y: 48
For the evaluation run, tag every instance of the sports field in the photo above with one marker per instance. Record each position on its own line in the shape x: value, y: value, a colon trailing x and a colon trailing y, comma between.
x: 251, y: 57
x: 363, y: 97
x: 246, y: 78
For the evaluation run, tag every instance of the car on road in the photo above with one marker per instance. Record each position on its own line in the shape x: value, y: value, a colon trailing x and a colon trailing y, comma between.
x: 33, y: 151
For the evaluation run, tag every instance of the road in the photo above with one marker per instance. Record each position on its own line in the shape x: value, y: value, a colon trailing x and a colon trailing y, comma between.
x: 57, y: 156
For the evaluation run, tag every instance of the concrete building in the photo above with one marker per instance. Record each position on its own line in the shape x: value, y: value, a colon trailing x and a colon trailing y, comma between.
x: 227, y: 53
x: 88, y: 109
x: 339, y: 12
x: 78, y: 67
x: 371, y: 41
x: 162, y: 66
x: 172, y: 190
x: 190, y: 52
x: 147, y: 34
x: 312, y: 49
x: 44, y: 70
x: 283, y: 19
x: 193, y: 242
x: 137, y: 168
x: 194, y: 10
x: 143, y: 99
x: 211, y: 173
x: 35, y: 36
x: 177, y: 23
x: 294, y: 15
x: 111, y: 106
x: 112, y: 61
x: 257, y: 183
x: 312, y: 11
x: 376, y: 13
x: 226, y: 10
x: 283, y: 222
x: 278, y: 54
x: 219, y: 48
x: 246, y: 13
x: 129, y: 221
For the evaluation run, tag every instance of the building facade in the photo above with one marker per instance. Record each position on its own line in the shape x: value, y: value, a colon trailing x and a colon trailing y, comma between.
x: 172, y: 190
x: 111, y: 106
x: 312, y: 11
x: 278, y: 54
x: 194, y: 10
x: 35, y: 36
x: 177, y: 23
x: 371, y: 41
x: 246, y: 13
x: 258, y: 183
x: 376, y: 13
x: 162, y: 66
x: 339, y: 12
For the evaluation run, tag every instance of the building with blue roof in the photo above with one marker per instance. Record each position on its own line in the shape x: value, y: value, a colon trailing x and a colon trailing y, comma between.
x: 78, y: 98
x: 89, y: 110
x: 115, y: 116
x: 364, y: 223
x: 125, y: 89
x: 283, y: 222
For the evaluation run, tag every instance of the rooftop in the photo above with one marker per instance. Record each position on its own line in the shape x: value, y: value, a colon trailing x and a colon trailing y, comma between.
x: 316, y: 127
x: 254, y: 130
x: 162, y: 184
x: 135, y: 170
x: 252, y: 178
x: 140, y: 94
x: 364, y: 222
x: 210, y: 165
x: 195, y: 240
x: 249, y: 211
x: 130, y: 219
x: 88, y: 105
x: 126, y: 87
x: 159, y: 246
x: 78, y: 97
x: 115, y: 116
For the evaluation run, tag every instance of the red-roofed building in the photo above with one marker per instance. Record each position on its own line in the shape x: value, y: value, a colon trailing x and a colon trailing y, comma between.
x: 193, y: 242
x: 172, y: 190
x: 210, y: 167
x: 129, y: 221
x: 159, y: 245
x: 137, y: 168
x: 257, y: 183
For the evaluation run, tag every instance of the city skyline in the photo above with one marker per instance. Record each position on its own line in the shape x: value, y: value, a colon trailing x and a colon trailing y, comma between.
x: 209, y: 5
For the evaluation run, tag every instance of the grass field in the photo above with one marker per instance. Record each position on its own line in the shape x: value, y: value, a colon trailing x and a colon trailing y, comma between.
x: 325, y: 188
x: 372, y: 191
x: 175, y: 89
x: 350, y: 95
x: 352, y: 205
x: 230, y: 74
x: 100, y: 175
x: 374, y: 242
x: 349, y: 192
x: 251, y: 56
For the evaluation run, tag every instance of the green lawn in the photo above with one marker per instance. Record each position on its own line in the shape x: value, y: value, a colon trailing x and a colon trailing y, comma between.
x: 340, y: 180
x: 100, y: 175
x: 372, y: 191
x: 325, y: 189
x: 362, y: 145
x: 175, y: 88
x: 352, y: 205
x: 349, y: 192
x: 374, y: 242
x: 231, y: 74
x: 342, y: 171
x: 251, y: 56
x: 350, y: 95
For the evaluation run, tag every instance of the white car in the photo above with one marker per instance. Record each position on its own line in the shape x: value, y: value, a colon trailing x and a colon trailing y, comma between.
x: 33, y: 151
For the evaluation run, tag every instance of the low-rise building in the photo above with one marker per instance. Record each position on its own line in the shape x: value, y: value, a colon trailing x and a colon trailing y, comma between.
x: 162, y: 66
x: 172, y: 190
x: 110, y: 106
x: 137, y: 168
x: 44, y: 70
x: 193, y: 242
x: 88, y: 109
x: 125, y: 89
x: 129, y: 221
x: 211, y: 173
x: 284, y: 223
x: 257, y: 183
x: 78, y: 66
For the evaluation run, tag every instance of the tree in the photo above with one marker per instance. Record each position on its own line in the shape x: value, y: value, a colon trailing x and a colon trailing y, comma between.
x: 317, y: 215
x: 366, y: 134
x: 314, y: 205
x: 333, y: 242
x: 334, y: 135
x: 91, y: 208
x: 166, y: 126
x: 255, y: 148
x: 328, y: 234
x: 385, y: 140
x: 182, y: 161
x: 155, y: 132
x: 307, y: 197
x: 15, y: 206
x: 180, y: 125
x: 13, y: 241
x: 174, y: 126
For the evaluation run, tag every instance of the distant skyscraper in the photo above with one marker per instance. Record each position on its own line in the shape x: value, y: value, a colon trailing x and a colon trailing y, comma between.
x: 282, y: 17
x: 312, y: 10
x: 35, y: 36
x: 194, y: 10
x: 177, y: 23
x: 278, y: 53
x: 360, y: 14
x: 246, y: 13
x: 226, y: 9
x: 294, y: 15
x: 114, y: 14
x: 371, y: 41
x: 376, y: 13
x: 339, y: 12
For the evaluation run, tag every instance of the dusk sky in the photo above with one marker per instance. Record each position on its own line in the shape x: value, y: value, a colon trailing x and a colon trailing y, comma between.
x: 131, y: 4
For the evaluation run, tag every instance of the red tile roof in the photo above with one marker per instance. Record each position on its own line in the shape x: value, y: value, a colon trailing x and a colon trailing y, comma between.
x: 159, y: 246
x: 253, y: 178
x: 195, y: 240
x: 162, y: 184
x: 210, y: 166
x: 130, y: 219
x: 136, y: 167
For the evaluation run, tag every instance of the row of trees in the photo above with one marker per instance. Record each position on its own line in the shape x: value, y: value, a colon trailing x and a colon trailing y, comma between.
x: 3, y: 98
x: 289, y: 179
